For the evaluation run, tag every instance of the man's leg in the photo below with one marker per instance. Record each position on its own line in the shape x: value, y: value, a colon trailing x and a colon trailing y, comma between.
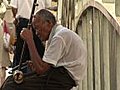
x: 32, y: 83
x: 54, y: 79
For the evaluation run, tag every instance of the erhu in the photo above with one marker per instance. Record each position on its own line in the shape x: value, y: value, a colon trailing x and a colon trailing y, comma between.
x: 18, y: 75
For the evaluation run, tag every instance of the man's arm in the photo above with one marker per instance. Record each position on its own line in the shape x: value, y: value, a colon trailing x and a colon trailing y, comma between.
x: 14, y: 6
x: 14, y: 11
x: 39, y: 65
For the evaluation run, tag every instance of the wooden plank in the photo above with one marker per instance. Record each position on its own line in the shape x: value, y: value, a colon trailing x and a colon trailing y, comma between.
x: 101, y: 51
x: 64, y: 13
x: 84, y: 37
x: 112, y: 36
x: 96, y: 49
x: 106, y: 54
x: 73, y: 15
x: 70, y: 14
x: 117, y: 8
x: 67, y: 12
x: 90, y: 51
x: 59, y: 11
x: 118, y: 61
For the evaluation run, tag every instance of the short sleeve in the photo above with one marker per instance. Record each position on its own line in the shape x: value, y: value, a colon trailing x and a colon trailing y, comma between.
x: 55, y: 51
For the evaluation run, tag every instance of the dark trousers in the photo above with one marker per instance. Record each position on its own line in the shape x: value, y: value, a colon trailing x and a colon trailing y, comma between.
x: 19, y: 44
x: 53, y: 79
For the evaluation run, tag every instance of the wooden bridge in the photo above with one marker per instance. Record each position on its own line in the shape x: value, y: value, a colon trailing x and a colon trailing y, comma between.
x: 101, y: 34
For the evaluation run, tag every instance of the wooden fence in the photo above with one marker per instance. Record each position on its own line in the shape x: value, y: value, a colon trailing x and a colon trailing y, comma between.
x: 101, y: 35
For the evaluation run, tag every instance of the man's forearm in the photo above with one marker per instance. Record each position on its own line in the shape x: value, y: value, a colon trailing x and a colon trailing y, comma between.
x: 39, y: 65
x: 14, y: 11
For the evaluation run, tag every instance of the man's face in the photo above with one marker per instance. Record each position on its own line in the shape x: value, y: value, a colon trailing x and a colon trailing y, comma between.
x: 41, y: 27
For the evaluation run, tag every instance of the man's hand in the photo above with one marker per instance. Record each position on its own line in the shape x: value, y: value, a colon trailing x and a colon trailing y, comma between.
x: 26, y: 34
x: 16, y: 21
x: 30, y: 64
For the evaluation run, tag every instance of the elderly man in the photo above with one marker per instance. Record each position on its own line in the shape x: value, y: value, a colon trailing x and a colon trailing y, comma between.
x: 64, y: 62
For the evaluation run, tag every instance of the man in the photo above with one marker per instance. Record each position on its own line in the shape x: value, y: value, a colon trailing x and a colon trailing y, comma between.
x: 64, y: 62
x: 21, y: 12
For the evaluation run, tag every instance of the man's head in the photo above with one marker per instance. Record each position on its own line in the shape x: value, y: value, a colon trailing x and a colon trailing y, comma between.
x: 43, y: 22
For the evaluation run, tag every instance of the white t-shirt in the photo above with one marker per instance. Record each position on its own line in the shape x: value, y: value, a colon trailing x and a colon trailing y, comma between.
x: 25, y: 6
x: 66, y: 48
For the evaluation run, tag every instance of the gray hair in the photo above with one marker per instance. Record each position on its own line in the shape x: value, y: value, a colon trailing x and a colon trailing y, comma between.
x: 46, y: 15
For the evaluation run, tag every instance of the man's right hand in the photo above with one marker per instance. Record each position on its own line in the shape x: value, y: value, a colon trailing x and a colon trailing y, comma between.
x: 16, y: 21
x: 26, y: 34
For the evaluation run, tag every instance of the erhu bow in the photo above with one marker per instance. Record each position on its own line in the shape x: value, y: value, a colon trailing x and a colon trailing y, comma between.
x: 18, y: 74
